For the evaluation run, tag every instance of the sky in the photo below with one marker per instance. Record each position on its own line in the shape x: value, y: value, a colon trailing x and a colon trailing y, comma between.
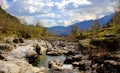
x: 58, y: 12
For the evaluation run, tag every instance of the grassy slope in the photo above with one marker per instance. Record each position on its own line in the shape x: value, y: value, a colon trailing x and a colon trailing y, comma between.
x: 11, y: 26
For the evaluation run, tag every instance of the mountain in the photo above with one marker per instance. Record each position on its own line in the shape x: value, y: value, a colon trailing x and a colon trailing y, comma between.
x: 63, y: 31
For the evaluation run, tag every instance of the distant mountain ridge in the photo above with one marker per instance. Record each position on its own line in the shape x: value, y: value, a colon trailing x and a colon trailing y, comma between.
x: 63, y: 31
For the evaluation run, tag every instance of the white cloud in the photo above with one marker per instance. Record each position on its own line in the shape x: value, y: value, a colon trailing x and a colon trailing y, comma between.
x: 4, y: 4
x: 59, y: 12
x: 49, y: 15
x: 49, y: 23
x: 26, y: 19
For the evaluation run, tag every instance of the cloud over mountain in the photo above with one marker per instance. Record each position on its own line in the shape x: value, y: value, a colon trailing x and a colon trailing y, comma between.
x: 59, y: 12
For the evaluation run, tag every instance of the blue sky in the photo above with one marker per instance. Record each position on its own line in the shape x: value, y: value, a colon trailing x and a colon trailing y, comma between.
x: 58, y: 12
x: 9, y: 0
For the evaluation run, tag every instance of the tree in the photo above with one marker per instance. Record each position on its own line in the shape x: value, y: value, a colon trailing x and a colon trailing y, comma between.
x: 75, y: 29
x: 95, y: 26
x: 40, y: 24
x: 74, y: 32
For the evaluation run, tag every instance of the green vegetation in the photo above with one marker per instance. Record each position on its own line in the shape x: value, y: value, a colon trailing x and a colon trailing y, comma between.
x: 10, y: 26
x: 109, y: 30
x: 98, y: 38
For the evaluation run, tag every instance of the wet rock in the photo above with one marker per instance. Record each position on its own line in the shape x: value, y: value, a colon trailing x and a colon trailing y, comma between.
x: 55, y: 65
x: 99, y: 57
x: 54, y: 53
x: 71, y: 59
x: 70, y: 53
x: 113, y: 65
x: 31, y: 56
x: 75, y: 64
x: 84, y: 65
x: 38, y: 49
x: 101, y: 69
x: 94, y: 66
x: 2, y: 57
x: 109, y: 66
x: 50, y: 63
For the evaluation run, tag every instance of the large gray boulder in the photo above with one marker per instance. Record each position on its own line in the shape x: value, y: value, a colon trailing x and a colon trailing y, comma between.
x: 22, y: 53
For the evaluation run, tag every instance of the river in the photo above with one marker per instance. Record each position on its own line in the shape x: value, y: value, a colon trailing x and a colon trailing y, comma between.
x: 43, y: 60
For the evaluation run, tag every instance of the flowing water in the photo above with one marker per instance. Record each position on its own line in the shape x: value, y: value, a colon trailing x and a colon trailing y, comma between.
x: 43, y: 60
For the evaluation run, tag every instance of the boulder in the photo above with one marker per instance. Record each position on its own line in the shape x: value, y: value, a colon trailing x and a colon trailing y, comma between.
x: 108, y: 66
x: 5, y: 48
x: 21, y: 40
x: 48, y: 45
x: 18, y: 40
x: 101, y: 69
x: 61, y: 44
x: 26, y: 53
x: 75, y: 64
x: 84, y: 65
x: 54, y: 53
x: 94, y: 66
x: 50, y: 63
x: 55, y: 65
x: 31, y: 56
x: 9, y: 40
x: 38, y: 49
x: 99, y: 57
x: 8, y: 67
x: 19, y: 67
x: 2, y: 57
x: 70, y: 53
x: 71, y: 59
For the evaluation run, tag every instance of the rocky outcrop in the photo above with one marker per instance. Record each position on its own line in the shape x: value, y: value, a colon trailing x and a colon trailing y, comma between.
x: 109, y: 44
x: 62, y: 48
x: 16, y: 59
x: 95, y: 63
x: 19, y: 67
